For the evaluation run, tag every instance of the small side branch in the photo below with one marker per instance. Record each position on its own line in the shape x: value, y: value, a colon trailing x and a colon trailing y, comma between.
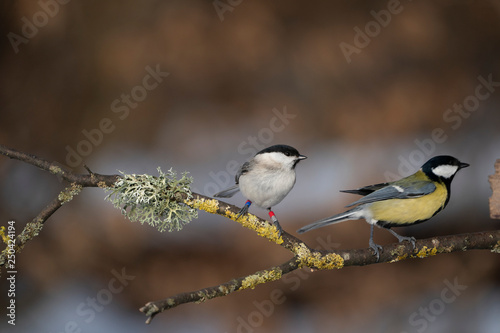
x: 33, y: 228
x: 85, y: 180
x: 151, y: 309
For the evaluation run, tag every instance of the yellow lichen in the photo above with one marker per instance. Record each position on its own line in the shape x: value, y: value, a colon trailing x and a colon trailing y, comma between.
x: 426, y: 252
x: 225, y: 290
x: 54, y: 169
x: 316, y: 259
x: 496, y: 248
x: 102, y: 184
x: 204, y: 296
x: 435, y: 242
x: 208, y: 205
x: 301, y: 250
x: 261, y: 277
x: 5, y: 238
x: 252, y: 222
x: 69, y: 192
x: 446, y: 249
x: 399, y: 251
x: 399, y: 258
x: 328, y: 261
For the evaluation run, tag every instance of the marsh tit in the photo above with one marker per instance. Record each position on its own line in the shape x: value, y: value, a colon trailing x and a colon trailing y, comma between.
x: 266, y: 179
x: 404, y: 202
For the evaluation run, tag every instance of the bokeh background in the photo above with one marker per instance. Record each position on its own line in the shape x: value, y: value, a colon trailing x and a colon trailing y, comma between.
x: 368, y: 91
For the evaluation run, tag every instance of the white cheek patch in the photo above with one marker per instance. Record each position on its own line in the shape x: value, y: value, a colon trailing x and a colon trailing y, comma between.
x: 278, y: 159
x: 445, y: 171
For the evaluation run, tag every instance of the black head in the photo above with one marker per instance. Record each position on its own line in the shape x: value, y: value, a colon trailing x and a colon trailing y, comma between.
x: 284, y: 149
x: 287, y: 151
x: 443, y: 167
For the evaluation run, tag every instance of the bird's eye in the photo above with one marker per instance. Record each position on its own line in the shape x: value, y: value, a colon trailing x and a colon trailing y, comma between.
x: 287, y: 153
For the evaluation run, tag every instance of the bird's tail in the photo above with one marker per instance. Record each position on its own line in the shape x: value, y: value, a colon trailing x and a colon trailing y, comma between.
x: 351, y: 214
x: 228, y: 192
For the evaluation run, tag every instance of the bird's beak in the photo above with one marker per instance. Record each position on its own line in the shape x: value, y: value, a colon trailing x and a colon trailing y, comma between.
x: 463, y: 165
x: 302, y: 157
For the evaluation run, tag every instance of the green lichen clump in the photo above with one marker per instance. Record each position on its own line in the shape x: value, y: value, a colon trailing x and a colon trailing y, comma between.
x: 154, y: 200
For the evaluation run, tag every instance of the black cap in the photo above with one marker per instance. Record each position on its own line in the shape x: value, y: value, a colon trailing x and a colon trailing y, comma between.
x: 285, y: 149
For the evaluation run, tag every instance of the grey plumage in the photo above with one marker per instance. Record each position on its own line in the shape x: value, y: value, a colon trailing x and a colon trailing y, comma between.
x: 266, y: 179
x: 228, y: 192
x: 413, y: 189
x: 351, y: 214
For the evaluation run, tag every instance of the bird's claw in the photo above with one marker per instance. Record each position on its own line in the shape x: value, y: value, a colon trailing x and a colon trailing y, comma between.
x: 376, y: 248
x: 404, y: 238
x: 242, y: 211
x: 410, y: 239
x: 278, y: 226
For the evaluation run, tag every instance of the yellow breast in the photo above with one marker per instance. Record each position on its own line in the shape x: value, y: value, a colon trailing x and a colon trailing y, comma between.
x: 408, y: 211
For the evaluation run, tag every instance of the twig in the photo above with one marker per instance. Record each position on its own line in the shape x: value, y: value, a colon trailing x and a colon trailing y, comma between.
x: 33, y: 228
x: 275, y: 273
x: 77, y: 181
x: 91, y: 180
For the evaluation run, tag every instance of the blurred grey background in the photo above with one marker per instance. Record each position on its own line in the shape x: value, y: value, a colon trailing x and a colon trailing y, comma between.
x: 368, y: 91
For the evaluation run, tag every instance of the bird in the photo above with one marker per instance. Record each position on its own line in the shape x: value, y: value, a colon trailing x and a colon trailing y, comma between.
x: 410, y: 200
x: 266, y: 179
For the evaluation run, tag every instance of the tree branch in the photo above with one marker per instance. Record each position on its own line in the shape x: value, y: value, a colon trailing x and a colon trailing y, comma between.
x: 275, y: 273
x: 77, y: 181
x: 90, y: 180
x: 303, y: 255
x: 322, y: 260
x: 495, y: 197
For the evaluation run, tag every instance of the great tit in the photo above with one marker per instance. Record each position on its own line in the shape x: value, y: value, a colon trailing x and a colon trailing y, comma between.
x: 404, y: 202
x: 266, y: 179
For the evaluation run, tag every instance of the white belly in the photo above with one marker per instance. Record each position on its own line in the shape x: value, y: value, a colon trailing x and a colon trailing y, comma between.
x: 269, y: 191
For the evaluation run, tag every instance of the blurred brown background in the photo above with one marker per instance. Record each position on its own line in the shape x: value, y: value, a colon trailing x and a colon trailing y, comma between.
x: 368, y: 91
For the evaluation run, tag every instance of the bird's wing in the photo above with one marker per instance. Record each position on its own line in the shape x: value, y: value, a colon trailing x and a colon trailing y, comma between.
x: 367, y: 189
x: 243, y: 169
x: 394, y: 191
x: 228, y: 192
